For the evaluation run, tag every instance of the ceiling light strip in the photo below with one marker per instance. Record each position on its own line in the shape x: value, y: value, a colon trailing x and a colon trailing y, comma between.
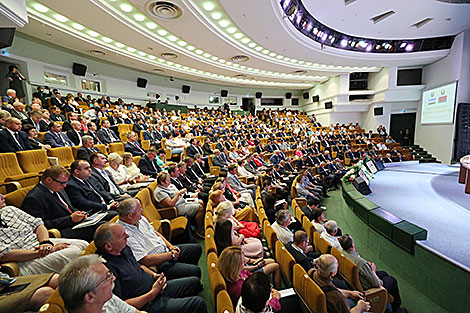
x: 215, y: 16
x: 91, y: 37
x: 127, y: 14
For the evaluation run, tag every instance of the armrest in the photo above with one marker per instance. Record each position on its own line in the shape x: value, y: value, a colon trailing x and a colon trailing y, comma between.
x: 169, y: 213
x: 11, y: 268
x: 243, y: 179
x: 377, y: 297
x: 20, y: 177
x: 12, y: 186
x: 163, y: 227
x: 54, y: 233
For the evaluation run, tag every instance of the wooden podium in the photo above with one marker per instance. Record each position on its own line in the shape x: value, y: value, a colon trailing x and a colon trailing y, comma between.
x: 464, y: 176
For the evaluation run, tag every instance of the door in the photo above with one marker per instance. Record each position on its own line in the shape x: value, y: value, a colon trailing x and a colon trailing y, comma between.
x: 398, y: 124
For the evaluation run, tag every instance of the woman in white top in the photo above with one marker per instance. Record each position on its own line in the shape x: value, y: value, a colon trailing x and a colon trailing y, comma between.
x: 121, y: 175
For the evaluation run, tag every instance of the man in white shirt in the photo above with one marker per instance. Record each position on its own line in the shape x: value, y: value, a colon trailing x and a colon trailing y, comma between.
x: 331, y: 230
x: 283, y: 219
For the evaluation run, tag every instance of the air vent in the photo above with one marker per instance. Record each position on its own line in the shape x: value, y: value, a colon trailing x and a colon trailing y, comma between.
x: 422, y: 22
x: 97, y: 52
x: 164, y: 9
x: 348, y: 2
x: 239, y: 58
x: 300, y: 72
x: 382, y: 16
x: 168, y: 55
x: 240, y: 76
x: 455, y: 1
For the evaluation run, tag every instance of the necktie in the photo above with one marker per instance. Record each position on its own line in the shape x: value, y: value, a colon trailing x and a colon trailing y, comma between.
x: 63, y: 202
x: 135, y: 145
x: 61, y: 139
x: 17, y: 138
x: 97, y: 138
x: 109, y: 134
x: 93, y: 189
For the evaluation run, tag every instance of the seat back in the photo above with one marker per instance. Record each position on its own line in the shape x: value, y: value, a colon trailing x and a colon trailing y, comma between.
x: 309, y: 292
x: 285, y: 259
x: 117, y: 147
x: 308, y: 227
x: 149, y: 210
x: 347, y: 269
x: 209, y: 220
x: 321, y: 244
x: 136, y: 159
x: 217, y: 284
x: 262, y: 216
x: 145, y: 144
x: 102, y: 148
x: 301, y: 202
x: 16, y: 197
x: 210, y: 242
x: 270, y: 235
x: 75, y: 151
x: 33, y: 161
x: 63, y: 154
x: 292, y: 189
x: 9, y: 166
x: 224, y: 303
x: 55, y: 304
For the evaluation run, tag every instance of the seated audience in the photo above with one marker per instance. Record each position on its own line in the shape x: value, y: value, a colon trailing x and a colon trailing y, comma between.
x: 12, y: 139
x: 120, y: 174
x: 132, y: 145
x: 34, y: 141
x: 302, y: 251
x: 331, y: 230
x: 241, y: 212
x: 236, y: 184
x: 225, y: 211
x: 138, y: 285
x: 225, y: 236
x: 76, y: 133
x: 87, y: 149
x: 100, y: 178
x: 106, y: 135
x: 55, y: 138
x: 24, y: 239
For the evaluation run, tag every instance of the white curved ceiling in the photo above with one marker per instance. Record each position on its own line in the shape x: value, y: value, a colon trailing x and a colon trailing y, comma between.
x: 128, y: 35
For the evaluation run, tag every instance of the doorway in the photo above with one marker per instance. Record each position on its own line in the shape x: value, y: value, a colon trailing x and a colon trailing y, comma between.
x: 398, y: 124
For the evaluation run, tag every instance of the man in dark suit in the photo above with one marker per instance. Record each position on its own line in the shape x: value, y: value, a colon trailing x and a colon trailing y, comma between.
x: 55, y: 138
x: 132, y: 145
x: 83, y: 194
x: 12, y: 139
x: 311, y: 207
x: 80, y: 98
x: 138, y: 126
x: 99, y: 177
x: 148, y: 165
x: 93, y: 133
x: 56, y: 115
x: 49, y: 202
x: 192, y: 149
x: 151, y: 135
x: 56, y: 100
x: 303, y: 253
x: 87, y: 149
x: 18, y: 111
x: 75, y: 134
x: 106, y: 135
x: 36, y: 121
x: 114, y: 119
x: 218, y: 160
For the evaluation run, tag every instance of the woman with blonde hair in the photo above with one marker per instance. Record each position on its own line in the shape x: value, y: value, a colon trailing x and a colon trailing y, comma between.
x: 121, y: 175
x: 242, y: 212
x: 235, y: 267
x: 225, y: 211
x: 134, y: 171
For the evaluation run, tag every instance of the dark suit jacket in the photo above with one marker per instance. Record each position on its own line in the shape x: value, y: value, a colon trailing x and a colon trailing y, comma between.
x: 84, y: 153
x: 308, y: 212
x: 128, y: 147
x: 146, y: 168
x: 73, y: 136
x: 97, y: 179
x: 105, y: 137
x: 83, y: 197
x: 137, y: 128
x: 206, y: 148
x: 8, y: 143
x: 40, y: 202
x: 95, y: 137
x: 303, y: 260
x: 177, y: 183
x: 60, y: 117
x: 55, y: 102
x: 43, y: 127
x: 17, y: 115
x: 191, y: 151
x: 219, y: 161
x: 54, y: 141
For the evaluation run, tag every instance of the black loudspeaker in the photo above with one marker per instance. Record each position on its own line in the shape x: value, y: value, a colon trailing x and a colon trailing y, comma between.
x: 224, y: 93
x: 157, y: 96
x: 288, y: 95
x: 258, y: 95
x: 378, y: 111
x: 185, y: 89
x: 361, y: 186
x: 328, y: 105
x: 316, y: 98
x: 79, y: 69
x: 305, y: 95
x: 462, y: 131
x: 141, y: 82
x: 177, y: 98
x: 6, y: 37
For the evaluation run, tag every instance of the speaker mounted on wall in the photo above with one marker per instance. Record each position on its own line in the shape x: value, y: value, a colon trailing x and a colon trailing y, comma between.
x: 305, y: 95
x: 79, y: 69
x: 6, y: 37
x: 185, y: 89
x: 224, y: 93
x: 328, y: 105
x: 141, y: 82
x: 259, y: 95
x: 316, y: 98
x: 378, y: 111
x: 288, y: 95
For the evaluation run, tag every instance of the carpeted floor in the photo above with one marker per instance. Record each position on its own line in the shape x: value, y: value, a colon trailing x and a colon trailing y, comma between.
x: 430, y: 196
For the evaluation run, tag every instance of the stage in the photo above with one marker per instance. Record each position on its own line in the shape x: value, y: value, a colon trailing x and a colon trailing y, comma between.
x: 429, y: 196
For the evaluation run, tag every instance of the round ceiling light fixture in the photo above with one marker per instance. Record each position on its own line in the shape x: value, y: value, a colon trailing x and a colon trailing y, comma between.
x: 164, y: 9
x: 169, y: 55
x: 239, y: 58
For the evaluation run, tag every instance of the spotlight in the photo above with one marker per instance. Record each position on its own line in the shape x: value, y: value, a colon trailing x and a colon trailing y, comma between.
x: 332, y: 39
x: 363, y: 44
x: 315, y: 31
x: 409, y: 47
x: 353, y: 43
x: 344, y: 43
x: 369, y: 48
x: 286, y: 3
x: 403, y: 45
x: 324, y: 37
x: 309, y: 27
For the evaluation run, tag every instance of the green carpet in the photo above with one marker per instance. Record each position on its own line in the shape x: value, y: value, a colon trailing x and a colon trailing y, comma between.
x: 205, y: 294
x: 413, y: 300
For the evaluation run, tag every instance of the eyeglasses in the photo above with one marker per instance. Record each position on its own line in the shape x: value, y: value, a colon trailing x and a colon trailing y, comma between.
x: 109, y: 277
x: 60, y: 182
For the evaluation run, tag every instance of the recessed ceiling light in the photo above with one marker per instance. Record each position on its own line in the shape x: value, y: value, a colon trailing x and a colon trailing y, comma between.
x: 39, y: 7
x: 78, y: 26
x: 139, y: 17
x: 151, y: 57
x: 224, y: 23
x: 182, y: 43
x: 238, y: 35
x: 60, y: 18
x: 190, y: 48
x: 206, y: 55
x: 119, y: 45
x: 93, y: 33
x: 97, y: 52
x: 172, y: 38
x: 208, y: 6
x: 125, y: 7
x: 231, y: 30
x: 107, y: 40
x: 216, y: 16
x: 130, y: 49
x: 151, y: 25
x: 162, y: 32
x: 251, y: 45
x: 198, y: 51
x: 141, y: 53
